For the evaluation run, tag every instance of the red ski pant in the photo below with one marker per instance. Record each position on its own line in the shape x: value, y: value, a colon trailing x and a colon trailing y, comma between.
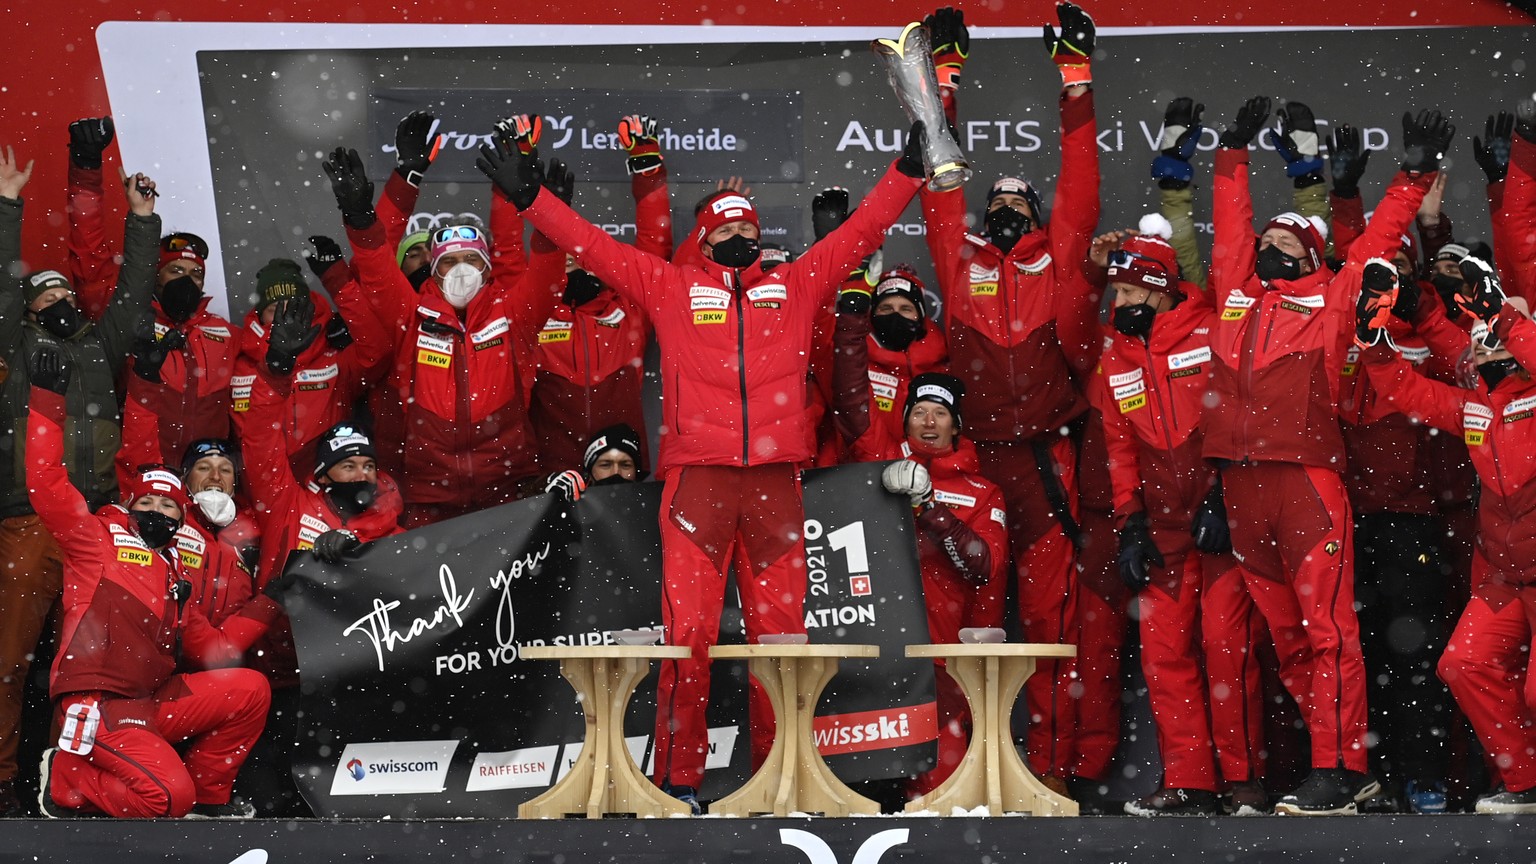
x: 1232, y: 630
x: 1102, y: 604
x: 135, y: 771
x: 1048, y: 591
x: 711, y: 514
x: 1293, y: 532
x: 1487, y: 666
x: 954, y: 604
x: 1194, y: 707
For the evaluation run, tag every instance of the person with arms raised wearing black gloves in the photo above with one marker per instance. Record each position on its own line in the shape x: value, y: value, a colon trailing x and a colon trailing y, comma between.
x: 735, y: 344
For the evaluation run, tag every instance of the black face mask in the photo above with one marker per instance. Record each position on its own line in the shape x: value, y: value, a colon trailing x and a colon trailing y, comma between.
x: 1005, y: 226
x: 896, y: 332
x: 156, y: 529
x: 61, y: 319
x: 1407, y: 306
x: 419, y: 276
x: 1272, y: 264
x: 179, y: 298
x: 1446, y: 287
x: 581, y: 288
x: 1495, y: 371
x: 611, y: 480
x: 736, y: 251
x: 352, y: 498
x: 1135, y: 319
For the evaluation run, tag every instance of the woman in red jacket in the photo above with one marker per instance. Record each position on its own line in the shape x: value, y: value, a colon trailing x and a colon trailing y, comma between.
x: 124, y: 705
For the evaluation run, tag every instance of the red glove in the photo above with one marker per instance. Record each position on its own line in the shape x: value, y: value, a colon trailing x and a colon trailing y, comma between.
x: 637, y: 133
x: 523, y: 130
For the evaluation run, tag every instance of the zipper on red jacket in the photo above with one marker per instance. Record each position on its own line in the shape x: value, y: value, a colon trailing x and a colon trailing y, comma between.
x: 461, y: 378
x: 1165, y: 412
x: 586, y: 370
x: 741, y: 372
x: 1498, y: 473
x: 1245, y: 365
x: 1011, y: 288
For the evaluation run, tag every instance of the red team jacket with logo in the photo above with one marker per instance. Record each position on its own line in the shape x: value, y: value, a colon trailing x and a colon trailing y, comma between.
x: 161, y: 420
x: 734, y: 355
x: 464, y: 387
x: 326, y: 383
x: 1499, y: 428
x: 592, y: 358
x: 120, y: 627
x: 1389, y: 463
x: 1020, y: 324
x: 1279, y: 350
x: 873, y: 425
x: 1152, y: 396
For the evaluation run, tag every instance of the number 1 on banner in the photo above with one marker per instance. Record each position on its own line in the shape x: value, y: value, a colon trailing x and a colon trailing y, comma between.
x: 849, y: 540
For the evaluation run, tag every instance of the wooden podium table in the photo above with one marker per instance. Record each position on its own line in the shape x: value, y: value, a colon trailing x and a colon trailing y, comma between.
x: 794, y: 778
x: 992, y: 773
x: 605, y: 779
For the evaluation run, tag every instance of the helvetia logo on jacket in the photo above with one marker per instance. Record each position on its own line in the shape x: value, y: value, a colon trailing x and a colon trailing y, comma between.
x: 393, y: 767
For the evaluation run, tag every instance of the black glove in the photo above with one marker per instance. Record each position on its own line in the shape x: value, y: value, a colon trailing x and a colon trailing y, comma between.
x: 150, y: 351
x: 854, y: 301
x: 1075, y: 44
x: 87, y: 139
x: 1492, y: 152
x: 336, y: 544
x: 516, y: 175
x: 1250, y: 119
x: 1482, y: 295
x: 293, y: 330
x: 951, y: 43
x: 327, y: 254
x: 560, y: 180
x: 414, y: 148
x: 1525, y: 120
x: 1346, y: 160
x: 352, y: 188
x: 911, y: 161
x: 48, y: 369
x: 1137, y: 551
x: 275, y: 589
x: 1296, y: 143
x: 1378, y: 293
x: 336, y: 333
x: 829, y: 209
x: 1210, y: 529
x: 1426, y: 138
x: 1181, y: 135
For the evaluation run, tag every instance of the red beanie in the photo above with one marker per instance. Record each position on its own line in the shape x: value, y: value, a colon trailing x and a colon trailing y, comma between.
x: 1310, y: 230
x: 724, y: 208
x: 1146, y: 260
x: 169, y: 255
x: 155, y: 480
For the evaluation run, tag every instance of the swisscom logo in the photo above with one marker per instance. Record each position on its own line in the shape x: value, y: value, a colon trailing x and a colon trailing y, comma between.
x: 393, y: 767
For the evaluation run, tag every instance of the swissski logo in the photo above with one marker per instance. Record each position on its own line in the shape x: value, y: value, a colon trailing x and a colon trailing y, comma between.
x: 393, y: 767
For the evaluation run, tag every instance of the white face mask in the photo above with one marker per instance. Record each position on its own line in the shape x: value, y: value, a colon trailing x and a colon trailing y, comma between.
x: 462, y: 284
x: 218, y: 507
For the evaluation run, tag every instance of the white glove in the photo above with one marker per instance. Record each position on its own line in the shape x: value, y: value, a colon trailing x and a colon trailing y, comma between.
x: 910, y: 479
x: 567, y: 484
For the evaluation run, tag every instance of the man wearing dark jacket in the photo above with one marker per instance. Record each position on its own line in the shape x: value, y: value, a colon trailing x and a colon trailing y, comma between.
x: 37, y: 311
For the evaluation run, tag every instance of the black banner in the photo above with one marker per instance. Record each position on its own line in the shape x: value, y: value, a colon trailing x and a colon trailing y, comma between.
x: 416, y: 702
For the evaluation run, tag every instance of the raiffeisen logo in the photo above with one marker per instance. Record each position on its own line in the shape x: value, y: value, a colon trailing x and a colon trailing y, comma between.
x: 393, y: 767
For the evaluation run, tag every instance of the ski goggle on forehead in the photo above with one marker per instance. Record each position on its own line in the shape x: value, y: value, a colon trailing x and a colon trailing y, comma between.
x: 455, y: 232
x: 1121, y: 258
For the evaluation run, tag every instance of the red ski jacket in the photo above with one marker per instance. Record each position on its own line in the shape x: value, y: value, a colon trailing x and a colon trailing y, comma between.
x: 463, y: 386
x: 1152, y: 396
x: 160, y: 421
x: 1499, y: 428
x: 122, y: 627
x: 1021, y: 324
x: 870, y: 385
x: 734, y: 352
x: 1279, y: 349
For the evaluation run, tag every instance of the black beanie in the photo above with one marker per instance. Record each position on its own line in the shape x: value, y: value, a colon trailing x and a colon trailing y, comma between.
x: 936, y: 387
x: 340, y: 442
x: 620, y: 436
